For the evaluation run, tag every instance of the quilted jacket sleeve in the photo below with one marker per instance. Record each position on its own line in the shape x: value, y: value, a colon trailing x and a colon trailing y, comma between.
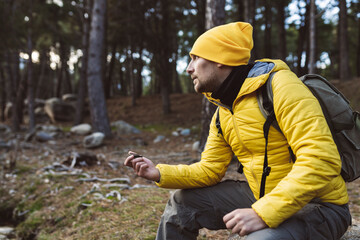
x: 318, y: 162
x: 209, y: 171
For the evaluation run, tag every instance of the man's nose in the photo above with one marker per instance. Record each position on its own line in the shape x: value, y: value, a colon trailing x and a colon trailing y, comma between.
x: 190, y: 68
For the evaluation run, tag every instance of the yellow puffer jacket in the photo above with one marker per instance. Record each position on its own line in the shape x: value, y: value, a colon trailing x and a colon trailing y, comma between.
x: 290, y: 186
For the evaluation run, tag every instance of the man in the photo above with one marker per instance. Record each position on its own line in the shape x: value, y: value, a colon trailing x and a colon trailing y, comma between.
x: 305, y: 199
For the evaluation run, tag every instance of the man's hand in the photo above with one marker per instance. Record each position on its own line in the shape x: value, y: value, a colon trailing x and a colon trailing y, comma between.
x: 243, y: 221
x: 143, y: 167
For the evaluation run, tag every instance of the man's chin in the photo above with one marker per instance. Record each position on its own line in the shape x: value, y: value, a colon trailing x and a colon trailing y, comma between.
x: 198, y: 90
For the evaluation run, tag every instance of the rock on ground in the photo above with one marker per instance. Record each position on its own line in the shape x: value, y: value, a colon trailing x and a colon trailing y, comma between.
x: 81, y: 129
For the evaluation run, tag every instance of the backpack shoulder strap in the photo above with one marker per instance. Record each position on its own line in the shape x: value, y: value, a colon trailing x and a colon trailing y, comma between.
x: 217, y: 122
x: 265, y: 99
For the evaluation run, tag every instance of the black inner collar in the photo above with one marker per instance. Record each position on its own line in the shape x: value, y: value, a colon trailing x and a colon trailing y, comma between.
x: 231, y: 86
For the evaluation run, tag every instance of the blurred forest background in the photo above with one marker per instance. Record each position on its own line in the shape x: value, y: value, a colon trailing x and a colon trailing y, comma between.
x: 66, y: 62
x: 99, y: 49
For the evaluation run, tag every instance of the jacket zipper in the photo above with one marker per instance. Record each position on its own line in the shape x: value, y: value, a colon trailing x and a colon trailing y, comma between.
x: 243, y: 145
x: 239, y: 139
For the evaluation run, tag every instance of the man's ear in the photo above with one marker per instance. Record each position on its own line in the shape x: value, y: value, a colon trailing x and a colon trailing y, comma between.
x: 222, y: 66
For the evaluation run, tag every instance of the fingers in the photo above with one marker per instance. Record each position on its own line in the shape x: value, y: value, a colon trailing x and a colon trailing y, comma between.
x: 134, y: 154
x: 233, y: 221
x: 236, y: 226
x: 228, y: 217
x: 141, y: 168
x: 243, y: 231
x: 128, y: 160
x: 231, y: 224
x: 243, y: 221
x: 138, y: 164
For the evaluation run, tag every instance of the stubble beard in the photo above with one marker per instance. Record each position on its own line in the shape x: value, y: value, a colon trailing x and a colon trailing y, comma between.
x: 208, y: 85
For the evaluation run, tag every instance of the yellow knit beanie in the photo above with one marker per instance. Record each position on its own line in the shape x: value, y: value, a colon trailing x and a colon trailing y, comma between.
x: 228, y: 44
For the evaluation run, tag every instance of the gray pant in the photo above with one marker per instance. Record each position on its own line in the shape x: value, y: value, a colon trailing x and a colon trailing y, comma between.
x: 192, y: 209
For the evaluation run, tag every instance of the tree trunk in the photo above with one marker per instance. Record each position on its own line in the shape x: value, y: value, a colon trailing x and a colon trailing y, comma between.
x: 129, y: 56
x: 138, y: 79
x: 247, y: 10
x: 177, y: 86
x: 344, y: 72
x: 60, y: 73
x: 267, y: 35
x: 110, y: 71
x: 80, y: 109
x: 41, y: 90
x: 2, y: 94
x: 12, y: 84
x: 122, y: 82
x: 105, y: 52
x: 358, y: 45
x: 200, y: 16
x: 215, y: 15
x: 312, y: 39
x: 99, y: 117
x: 68, y: 86
x: 30, y: 84
x: 302, y: 41
x: 281, y: 26
x: 252, y: 21
x: 241, y: 10
x: 164, y: 72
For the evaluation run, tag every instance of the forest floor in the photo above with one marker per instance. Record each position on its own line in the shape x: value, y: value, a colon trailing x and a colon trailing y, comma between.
x: 105, y: 200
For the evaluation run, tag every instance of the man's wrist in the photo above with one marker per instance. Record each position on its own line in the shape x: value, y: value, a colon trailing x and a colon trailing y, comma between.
x: 158, y: 180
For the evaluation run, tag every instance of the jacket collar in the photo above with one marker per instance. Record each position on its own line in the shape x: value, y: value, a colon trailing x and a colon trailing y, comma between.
x: 256, y: 77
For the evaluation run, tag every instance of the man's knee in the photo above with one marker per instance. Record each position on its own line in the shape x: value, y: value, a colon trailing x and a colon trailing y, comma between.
x: 178, y: 196
x: 185, y: 197
x: 270, y: 234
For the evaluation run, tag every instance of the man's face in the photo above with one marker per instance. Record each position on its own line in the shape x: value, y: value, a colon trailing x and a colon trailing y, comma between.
x: 204, y: 74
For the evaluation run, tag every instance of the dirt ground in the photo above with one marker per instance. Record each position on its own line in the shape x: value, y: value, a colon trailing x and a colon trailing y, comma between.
x: 52, y: 205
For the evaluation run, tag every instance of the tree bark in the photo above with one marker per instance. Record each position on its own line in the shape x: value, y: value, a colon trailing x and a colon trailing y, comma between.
x: 247, y: 10
x: 138, y: 79
x: 164, y: 72
x: 2, y: 94
x: 110, y: 71
x: 312, y: 39
x: 344, y: 72
x: 98, y: 109
x: 302, y: 41
x: 80, y: 109
x: 177, y: 86
x: 40, y: 91
x: 252, y: 21
x: 358, y: 45
x: 12, y: 64
x: 241, y: 10
x: 267, y: 35
x: 60, y: 73
x: 281, y: 26
x: 200, y: 17
x: 30, y: 83
x: 215, y: 15
x: 122, y: 82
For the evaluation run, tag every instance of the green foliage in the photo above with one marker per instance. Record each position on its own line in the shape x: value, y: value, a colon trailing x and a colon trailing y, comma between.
x: 29, y: 228
x: 23, y: 169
